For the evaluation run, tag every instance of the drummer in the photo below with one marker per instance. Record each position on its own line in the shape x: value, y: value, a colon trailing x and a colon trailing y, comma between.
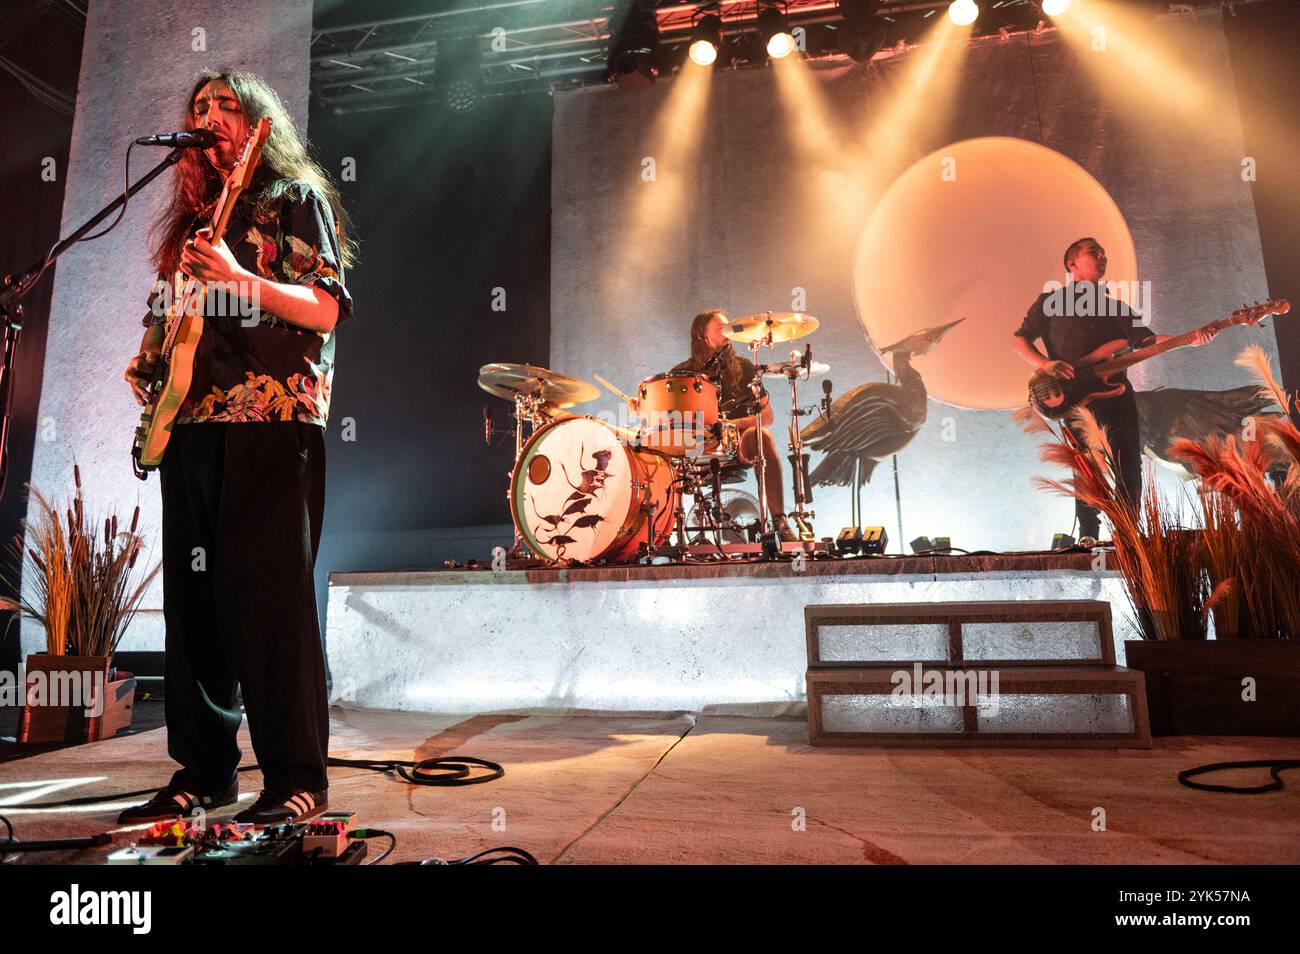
x: 712, y: 354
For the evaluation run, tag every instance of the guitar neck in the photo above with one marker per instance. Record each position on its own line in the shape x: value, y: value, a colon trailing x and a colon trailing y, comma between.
x: 221, y: 212
x: 1130, y: 358
x: 192, y: 286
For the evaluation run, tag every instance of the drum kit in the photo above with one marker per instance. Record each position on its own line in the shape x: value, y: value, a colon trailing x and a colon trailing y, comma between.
x: 587, y: 490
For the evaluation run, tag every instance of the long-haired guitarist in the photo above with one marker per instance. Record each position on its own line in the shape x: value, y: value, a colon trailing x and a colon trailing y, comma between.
x: 243, y: 474
x: 1074, y: 321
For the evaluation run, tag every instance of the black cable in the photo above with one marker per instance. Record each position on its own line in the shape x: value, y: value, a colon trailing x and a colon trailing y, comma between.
x: 508, y: 855
x: 126, y: 199
x: 1275, y: 769
x: 366, y: 833
x: 452, y: 769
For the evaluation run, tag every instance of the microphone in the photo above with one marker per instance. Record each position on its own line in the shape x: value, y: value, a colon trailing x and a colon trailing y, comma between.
x: 198, y: 138
x: 826, y: 401
x: 806, y: 363
x: 715, y: 357
x: 487, y: 426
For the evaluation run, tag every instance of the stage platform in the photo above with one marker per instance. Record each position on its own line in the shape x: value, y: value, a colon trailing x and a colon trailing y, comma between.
x: 643, y: 637
x: 722, y: 787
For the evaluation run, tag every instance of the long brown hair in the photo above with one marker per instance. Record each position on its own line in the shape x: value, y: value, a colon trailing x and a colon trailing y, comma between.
x: 284, y: 158
x: 701, y: 352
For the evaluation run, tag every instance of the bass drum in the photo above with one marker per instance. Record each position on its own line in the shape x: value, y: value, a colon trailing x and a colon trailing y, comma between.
x: 580, y: 493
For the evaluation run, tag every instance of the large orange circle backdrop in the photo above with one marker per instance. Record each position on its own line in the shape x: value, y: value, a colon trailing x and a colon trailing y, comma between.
x: 974, y: 231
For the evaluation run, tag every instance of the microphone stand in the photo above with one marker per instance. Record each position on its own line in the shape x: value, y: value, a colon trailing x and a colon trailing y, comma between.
x: 15, y: 287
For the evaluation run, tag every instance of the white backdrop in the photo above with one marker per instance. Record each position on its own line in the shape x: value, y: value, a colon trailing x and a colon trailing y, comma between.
x: 736, y: 243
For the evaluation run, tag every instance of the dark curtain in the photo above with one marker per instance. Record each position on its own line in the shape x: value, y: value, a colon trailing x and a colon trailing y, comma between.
x: 1262, y: 40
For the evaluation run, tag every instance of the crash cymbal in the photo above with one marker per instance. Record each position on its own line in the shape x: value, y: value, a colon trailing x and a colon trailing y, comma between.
x: 794, y: 368
x: 511, y: 380
x: 783, y: 326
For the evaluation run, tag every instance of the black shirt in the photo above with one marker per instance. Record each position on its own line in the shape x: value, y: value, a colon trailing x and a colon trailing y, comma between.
x: 734, y: 401
x: 1078, y: 319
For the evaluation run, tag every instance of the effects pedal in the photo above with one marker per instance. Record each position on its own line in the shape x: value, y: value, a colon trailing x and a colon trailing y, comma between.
x: 327, y: 835
x: 322, y: 841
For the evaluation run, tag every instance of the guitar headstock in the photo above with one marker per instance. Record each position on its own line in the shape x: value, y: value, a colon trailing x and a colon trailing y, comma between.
x: 242, y: 174
x: 1254, y: 314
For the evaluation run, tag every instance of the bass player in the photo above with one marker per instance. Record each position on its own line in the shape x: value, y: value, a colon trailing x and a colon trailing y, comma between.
x: 1073, y: 322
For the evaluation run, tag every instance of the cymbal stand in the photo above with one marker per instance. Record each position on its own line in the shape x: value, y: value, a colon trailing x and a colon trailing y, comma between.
x: 801, y: 515
x: 527, y: 409
x: 760, y: 460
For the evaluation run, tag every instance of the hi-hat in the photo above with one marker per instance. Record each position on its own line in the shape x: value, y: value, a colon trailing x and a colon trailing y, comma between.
x: 513, y: 380
x: 780, y: 325
x: 795, y: 369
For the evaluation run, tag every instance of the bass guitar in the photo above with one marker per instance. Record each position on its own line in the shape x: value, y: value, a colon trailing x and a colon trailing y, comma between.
x: 1095, y: 373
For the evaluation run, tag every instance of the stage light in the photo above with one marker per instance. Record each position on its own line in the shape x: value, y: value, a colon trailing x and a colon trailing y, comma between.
x: 632, y: 56
x: 780, y: 45
x: 703, y: 52
x: 458, y: 76
x: 633, y: 69
x: 963, y: 12
x: 863, y: 33
x: 1054, y: 8
x: 774, y: 29
x: 705, y: 39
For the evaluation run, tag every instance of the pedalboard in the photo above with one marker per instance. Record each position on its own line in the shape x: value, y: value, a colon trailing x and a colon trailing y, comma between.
x: 324, y: 840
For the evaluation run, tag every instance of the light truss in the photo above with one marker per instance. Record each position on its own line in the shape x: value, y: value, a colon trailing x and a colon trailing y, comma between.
x: 548, y: 44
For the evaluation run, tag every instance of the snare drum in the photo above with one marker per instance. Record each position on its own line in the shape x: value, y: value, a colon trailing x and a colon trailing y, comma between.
x: 726, y: 445
x: 677, y: 409
x: 580, y: 493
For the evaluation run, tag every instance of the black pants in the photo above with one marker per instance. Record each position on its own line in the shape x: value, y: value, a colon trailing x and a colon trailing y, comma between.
x: 1119, y: 415
x: 242, y: 507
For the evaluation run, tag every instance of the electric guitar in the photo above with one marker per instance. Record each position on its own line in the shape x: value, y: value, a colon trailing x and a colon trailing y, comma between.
x: 184, y: 323
x: 1094, y: 373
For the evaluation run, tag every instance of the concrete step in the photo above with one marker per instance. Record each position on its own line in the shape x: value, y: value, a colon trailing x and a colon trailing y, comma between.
x: 916, y: 704
x: 1021, y: 633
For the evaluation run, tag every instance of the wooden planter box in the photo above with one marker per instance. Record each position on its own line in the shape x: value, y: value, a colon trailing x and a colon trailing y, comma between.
x: 1195, y: 687
x: 46, y: 717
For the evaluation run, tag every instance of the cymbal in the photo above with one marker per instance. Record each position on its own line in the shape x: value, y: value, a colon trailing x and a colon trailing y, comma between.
x: 793, y: 368
x: 510, y: 380
x: 783, y: 326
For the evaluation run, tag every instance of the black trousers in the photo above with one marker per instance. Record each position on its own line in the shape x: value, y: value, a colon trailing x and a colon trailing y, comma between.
x: 1119, y: 415
x: 242, y: 508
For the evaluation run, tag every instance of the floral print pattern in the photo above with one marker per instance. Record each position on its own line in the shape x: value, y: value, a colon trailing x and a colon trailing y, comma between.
x: 249, y: 370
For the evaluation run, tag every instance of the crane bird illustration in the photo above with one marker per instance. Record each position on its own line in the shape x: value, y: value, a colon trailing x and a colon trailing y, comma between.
x: 874, y: 420
x: 1166, y: 414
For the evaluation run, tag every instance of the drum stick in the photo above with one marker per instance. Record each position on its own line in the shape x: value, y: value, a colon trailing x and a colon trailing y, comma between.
x: 612, y: 388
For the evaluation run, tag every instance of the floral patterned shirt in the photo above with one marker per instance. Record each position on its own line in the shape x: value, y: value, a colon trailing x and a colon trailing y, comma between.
x: 251, y: 366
